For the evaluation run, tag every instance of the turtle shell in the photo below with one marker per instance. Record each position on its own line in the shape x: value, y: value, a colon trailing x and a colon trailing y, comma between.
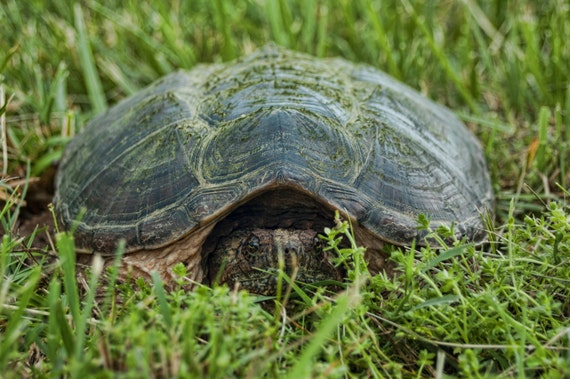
x: 194, y: 145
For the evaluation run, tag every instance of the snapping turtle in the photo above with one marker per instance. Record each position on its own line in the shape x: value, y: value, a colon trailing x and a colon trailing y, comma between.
x: 227, y: 167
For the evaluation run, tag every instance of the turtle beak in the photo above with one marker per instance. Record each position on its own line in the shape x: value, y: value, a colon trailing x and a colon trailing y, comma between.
x: 287, y: 246
x: 289, y: 250
x: 289, y: 253
x: 292, y: 248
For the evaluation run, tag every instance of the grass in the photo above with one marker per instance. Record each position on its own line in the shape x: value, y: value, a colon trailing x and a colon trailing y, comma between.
x: 498, y: 310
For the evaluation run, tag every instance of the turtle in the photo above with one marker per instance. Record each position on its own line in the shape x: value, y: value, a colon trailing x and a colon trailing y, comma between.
x: 231, y: 168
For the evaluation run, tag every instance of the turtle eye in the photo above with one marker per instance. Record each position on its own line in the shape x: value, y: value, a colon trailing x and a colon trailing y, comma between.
x: 318, y: 244
x: 251, y: 244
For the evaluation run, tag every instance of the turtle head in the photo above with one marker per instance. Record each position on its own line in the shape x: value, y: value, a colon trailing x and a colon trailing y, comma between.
x: 252, y: 259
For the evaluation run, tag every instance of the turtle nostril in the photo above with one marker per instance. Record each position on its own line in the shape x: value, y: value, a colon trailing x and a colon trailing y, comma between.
x: 290, y: 249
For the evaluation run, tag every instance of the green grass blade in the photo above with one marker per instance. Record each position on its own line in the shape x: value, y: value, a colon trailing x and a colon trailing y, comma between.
x: 451, y: 253
x: 59, y: 333
x: 11, y: 210
x: 309, y: 25
x: 221, y: 18
x: 381, y: 35
x: 92, y: 81
x: 111, y: 278
x: 302, y: 368
x: 322, y: 36
x: 543, y: 118
x: 567, y: 114
x: 527, y: 27
x: 6, y: 59
x: 439, y: 300
x: 55, y: 97
x: 161, y: 299
x: 3, y: 133
x: 112, y: 70
x: 60, y: 329
x: 442, y: 58
x: 276, y: 21
x: 82, y: 326
x: 6, y: 249
x: 16, y: 322
x: 66, y: 247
